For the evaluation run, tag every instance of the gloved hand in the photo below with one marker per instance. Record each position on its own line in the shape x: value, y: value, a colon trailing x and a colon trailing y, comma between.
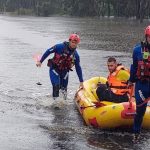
x: 38, y: 64
x: 81, y: 85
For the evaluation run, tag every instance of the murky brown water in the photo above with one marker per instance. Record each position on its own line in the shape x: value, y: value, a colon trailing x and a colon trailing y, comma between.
x: 27, y: 122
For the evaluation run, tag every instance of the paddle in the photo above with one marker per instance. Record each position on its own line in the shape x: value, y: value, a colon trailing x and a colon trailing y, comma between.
x: 96, y: 104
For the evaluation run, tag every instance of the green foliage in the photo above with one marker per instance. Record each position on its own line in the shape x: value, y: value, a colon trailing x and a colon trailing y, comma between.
x: 118, y: 8
x: 23, y: 11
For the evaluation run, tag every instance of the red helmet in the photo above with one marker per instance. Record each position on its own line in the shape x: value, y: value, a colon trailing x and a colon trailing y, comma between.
x: 74, y: 37
x: 147, y: 31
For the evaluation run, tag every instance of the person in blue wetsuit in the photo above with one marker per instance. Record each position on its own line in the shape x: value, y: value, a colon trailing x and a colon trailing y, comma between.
x: 140, y: 75
x: 65, y: 57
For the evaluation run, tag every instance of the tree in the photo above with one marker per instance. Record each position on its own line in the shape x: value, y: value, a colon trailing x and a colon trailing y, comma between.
x: 118, y: 8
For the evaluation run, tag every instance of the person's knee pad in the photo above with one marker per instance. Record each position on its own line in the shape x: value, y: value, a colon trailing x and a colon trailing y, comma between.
x: 55, y: 90
x: 101, y: 88
x: 98, y: 92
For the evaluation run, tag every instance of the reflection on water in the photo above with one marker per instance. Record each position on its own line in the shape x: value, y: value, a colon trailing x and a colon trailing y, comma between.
x: 27, y: 119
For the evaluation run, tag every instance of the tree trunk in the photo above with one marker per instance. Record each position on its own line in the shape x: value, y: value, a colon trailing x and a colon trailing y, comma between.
x: 108, y: 7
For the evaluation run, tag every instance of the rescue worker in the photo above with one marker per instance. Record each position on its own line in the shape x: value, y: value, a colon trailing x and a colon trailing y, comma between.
x: 140, y: 75
x: 115, y: 89
x: 65, y: 57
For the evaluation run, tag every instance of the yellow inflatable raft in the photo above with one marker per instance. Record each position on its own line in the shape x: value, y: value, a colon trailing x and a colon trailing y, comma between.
x: 104, y: 114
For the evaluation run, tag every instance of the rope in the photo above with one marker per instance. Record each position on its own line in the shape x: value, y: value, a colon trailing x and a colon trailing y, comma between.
x: 145, y: 101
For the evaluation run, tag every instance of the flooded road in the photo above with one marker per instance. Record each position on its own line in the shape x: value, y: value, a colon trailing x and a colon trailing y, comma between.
x: 27, y: 121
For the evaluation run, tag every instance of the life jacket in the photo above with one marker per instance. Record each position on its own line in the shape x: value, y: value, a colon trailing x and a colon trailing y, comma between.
x: 118, y: 87
x: 64, y: 61
x: 143, y: 69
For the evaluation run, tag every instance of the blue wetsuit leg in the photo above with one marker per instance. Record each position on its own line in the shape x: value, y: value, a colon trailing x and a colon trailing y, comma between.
x: 55, y: 80
x: 141, y: 90
x: 64, y: 80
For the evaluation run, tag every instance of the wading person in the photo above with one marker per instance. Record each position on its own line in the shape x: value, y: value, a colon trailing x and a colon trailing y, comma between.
x: 65, y: 57
x: 116, y: 88
x: 140, y: 75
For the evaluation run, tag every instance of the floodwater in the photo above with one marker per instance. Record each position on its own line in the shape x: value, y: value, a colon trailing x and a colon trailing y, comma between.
x: 27, y: 122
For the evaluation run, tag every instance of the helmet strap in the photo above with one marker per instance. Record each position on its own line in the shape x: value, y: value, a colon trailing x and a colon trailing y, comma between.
x: 146, y: 45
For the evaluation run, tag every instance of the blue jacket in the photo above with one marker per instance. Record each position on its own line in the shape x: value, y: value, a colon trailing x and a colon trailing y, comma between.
x: 59, y: 48
x: 140, y: 86
x: 137, y: 56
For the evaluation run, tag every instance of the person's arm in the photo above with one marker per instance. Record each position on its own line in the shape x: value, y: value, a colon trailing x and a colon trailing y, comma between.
x: 123, y: 75
x: 78, y: 68
x: 133, y: 68
x: 45, y: 55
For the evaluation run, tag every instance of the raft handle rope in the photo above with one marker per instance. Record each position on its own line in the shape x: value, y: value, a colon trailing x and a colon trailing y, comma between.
x: 143, y: 98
